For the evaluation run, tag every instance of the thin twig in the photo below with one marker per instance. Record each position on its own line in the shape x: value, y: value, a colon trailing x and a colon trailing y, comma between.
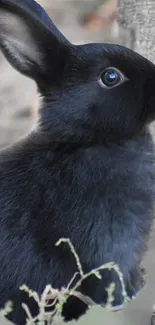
x: 79, y: 266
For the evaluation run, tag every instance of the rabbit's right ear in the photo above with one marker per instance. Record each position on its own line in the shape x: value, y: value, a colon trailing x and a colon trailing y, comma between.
x: 28, y: 38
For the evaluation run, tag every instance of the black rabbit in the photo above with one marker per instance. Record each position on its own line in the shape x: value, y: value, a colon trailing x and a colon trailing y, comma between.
x: 85, y: 173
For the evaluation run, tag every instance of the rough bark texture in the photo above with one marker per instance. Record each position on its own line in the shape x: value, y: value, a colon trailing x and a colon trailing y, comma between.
x: 139, y: 17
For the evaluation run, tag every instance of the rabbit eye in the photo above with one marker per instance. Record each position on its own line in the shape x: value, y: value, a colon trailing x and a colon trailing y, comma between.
x: 110, y: 78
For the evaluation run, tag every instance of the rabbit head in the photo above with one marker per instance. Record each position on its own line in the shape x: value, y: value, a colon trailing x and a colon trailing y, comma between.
x: 91, y: 93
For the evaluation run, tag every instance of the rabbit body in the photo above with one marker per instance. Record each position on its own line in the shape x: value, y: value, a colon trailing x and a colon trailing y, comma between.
x: 100, y: 198
x: 86, y: 173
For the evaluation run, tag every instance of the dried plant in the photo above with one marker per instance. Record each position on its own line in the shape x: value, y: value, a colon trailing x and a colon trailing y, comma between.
x: 54, y: 299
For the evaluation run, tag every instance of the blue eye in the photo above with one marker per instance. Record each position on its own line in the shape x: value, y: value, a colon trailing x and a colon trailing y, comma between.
x: 111, y: 77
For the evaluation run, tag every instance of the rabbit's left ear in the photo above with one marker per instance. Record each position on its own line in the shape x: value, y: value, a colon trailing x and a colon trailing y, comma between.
x: 28, y: 38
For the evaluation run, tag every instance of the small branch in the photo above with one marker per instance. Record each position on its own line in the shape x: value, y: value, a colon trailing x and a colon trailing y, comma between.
x: 88, y: 301
x: 30, y: 320
x: 79, y: 266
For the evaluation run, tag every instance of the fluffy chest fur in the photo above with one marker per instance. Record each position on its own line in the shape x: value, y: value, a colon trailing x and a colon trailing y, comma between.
x: 101, y: 198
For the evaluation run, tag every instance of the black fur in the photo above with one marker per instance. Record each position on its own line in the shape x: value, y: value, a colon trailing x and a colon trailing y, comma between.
x: 86, y: 172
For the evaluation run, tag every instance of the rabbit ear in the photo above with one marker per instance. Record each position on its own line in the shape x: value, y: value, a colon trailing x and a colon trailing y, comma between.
x: 28, y: 37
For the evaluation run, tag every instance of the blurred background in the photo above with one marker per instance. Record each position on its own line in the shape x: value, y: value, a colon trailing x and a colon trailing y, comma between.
x: 82, y: 21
